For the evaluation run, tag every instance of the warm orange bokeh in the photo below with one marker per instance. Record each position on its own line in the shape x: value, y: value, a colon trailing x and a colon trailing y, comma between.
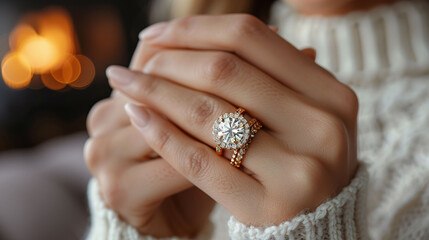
x: 87, y: 73
x: 68, y: 72
x: 51, y: 83
x: 40, y: 53
x: 44, y: 44
x: 16, y: 71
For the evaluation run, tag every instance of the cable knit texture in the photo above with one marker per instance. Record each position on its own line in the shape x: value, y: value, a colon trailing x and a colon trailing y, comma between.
x: 336, y: 219
x: 383, y: 54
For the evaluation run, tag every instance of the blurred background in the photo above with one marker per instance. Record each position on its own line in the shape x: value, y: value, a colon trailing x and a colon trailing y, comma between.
x: 79, y: 39
x: 53, y: 59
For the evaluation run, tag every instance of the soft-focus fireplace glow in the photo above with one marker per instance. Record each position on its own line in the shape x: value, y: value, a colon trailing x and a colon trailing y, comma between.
x: 44, y: 44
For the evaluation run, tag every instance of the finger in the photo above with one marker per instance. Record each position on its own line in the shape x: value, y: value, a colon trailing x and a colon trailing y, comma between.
x: 142, y: 53
x: 155, y: 179
x: 195, y: 113
x: 116, y: 149
x: 227, y: 76
x: 107, y: 115
x: 116, y: 159
x: 139, y: 188
x: 252, y: 40
x: 197, y: 162
x: 157, y: 183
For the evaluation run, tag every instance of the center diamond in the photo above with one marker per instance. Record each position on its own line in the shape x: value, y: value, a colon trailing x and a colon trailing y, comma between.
x: 231, y: 131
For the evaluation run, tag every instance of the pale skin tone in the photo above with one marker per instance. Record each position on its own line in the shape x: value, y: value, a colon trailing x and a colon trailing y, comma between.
x: 155, y: 161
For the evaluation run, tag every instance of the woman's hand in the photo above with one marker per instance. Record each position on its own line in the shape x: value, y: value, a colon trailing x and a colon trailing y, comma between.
x: 141, y: 187
x: 205, y: 66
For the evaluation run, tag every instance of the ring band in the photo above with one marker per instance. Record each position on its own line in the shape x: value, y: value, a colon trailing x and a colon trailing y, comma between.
x: 233, y: 131
x: 238, y: 154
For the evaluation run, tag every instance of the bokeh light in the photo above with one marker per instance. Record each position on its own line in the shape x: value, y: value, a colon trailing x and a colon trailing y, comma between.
x: 20, y: 35
x: 87, y: 73
x: 16, y: 70
x: 40, y: 53
x: 68, y: 72
x: 44, y: 43
x: 51, y: 83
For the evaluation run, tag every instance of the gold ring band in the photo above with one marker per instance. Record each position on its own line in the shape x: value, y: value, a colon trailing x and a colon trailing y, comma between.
x: 238, y: 155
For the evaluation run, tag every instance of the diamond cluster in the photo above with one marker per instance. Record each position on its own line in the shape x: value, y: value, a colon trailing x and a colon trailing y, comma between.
x: 231, y: 131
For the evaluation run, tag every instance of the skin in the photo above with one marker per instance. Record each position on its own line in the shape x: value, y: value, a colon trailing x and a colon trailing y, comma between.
x: 154, y: 159
x: 334, y: 7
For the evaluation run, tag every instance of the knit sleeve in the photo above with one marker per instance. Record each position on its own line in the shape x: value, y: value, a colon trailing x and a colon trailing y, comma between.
x: 339, y: 218
x: 106, y: 225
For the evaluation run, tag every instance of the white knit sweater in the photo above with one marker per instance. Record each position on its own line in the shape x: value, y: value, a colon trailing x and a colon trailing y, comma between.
x: 383, y: 54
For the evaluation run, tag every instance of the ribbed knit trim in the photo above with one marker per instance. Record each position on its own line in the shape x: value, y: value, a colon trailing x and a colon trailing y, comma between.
x: 361, y: 46
x: 338, y: 218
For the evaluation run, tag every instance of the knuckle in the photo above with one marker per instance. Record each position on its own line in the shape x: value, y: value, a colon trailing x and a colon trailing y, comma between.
x: 98, y: 114
x: 221, y: 68
x: 196, y: 163
x: 247, y: 25
x: 202, y: 111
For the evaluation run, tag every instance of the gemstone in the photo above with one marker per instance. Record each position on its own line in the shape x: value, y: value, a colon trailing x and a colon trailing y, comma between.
x: 231, y: 130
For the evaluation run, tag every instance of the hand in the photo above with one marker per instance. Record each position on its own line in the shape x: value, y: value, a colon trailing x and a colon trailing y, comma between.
x: 141, y: 187
x: 305, y: 154
x: 115, y: 147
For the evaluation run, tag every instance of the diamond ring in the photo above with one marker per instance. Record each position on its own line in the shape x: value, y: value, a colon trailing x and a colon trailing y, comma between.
x: 233, y: 131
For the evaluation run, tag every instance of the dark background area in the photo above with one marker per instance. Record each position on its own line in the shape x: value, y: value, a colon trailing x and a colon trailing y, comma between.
x: 32, y: 115
x: 106, y: 32
x: 43, y: 189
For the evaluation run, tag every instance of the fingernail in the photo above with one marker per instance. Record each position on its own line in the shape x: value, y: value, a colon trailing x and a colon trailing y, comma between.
x: 152, y: 31
x: 273, y: 28
x: 119, y: 75
x: 138, y: 116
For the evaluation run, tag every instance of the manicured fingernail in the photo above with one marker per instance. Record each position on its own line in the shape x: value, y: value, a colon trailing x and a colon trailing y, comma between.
x: 139, y: 116
x: 152, y: 31
x: 273, y: 28
x: 119, y: 75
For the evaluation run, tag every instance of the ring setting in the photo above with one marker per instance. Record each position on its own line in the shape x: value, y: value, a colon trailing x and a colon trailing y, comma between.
x: 233, y: 131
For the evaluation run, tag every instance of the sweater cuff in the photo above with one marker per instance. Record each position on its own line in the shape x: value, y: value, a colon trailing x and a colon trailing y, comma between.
x: 339, y: 218
x: 105, y: 223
